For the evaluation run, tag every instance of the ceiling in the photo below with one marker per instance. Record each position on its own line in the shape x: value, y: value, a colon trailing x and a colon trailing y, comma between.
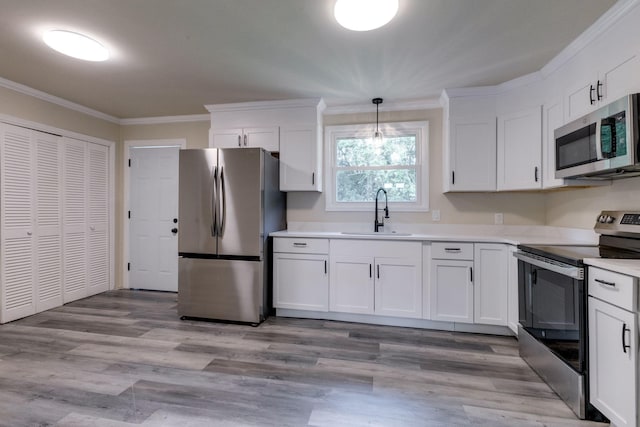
x: 172, y: 57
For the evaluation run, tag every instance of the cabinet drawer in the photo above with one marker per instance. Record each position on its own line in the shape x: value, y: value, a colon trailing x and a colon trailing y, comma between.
x: 452, y: 250
x: 301, y: 245
x: 615, y: 288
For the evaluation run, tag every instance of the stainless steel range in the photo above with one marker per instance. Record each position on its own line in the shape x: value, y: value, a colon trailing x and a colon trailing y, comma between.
x: 552, y: 298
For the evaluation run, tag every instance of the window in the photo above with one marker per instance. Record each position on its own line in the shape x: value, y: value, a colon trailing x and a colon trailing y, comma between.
x: 357, y: 167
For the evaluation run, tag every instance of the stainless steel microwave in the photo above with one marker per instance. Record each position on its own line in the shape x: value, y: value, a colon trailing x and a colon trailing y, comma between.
x: 602, y: 144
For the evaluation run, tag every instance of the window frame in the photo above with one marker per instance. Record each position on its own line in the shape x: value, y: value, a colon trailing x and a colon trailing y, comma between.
x: 419, y: 128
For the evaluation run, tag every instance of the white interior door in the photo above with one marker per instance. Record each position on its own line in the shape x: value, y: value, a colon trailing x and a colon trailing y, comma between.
x: 154, y: 213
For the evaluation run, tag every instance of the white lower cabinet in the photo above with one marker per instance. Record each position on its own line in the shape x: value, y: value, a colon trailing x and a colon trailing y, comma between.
x: 300, y: 274
x: 452, y: 290
x: 384, y: 278
x: 613, y: 346
x: 469, y: 283
x: 491, y: 269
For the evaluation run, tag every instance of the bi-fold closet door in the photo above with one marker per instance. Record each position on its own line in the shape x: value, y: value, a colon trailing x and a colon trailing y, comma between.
x: 46, y: 190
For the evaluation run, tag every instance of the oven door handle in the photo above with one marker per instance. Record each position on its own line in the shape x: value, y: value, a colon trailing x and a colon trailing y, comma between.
x: 565, y: 270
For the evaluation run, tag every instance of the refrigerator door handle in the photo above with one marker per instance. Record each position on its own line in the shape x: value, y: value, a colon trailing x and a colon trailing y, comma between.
x: 214, y: 203
x: 222, y: 203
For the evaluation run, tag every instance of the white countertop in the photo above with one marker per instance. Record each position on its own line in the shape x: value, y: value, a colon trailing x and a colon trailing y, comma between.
x: 447, y: 232
x: 629, y: 267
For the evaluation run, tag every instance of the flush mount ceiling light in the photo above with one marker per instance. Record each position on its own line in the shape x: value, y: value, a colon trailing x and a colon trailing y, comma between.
x: 76, y: 45
x: 364, y: 15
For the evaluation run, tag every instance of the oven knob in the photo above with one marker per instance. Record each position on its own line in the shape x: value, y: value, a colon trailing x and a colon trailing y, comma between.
x: 601, y: 219
x: 610, y: 219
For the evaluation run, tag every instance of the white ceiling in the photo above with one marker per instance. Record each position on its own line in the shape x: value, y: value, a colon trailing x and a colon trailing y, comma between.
x: 171, y: 57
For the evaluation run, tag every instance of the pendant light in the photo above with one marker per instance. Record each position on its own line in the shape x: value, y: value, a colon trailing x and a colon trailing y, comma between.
x: 377, y: 135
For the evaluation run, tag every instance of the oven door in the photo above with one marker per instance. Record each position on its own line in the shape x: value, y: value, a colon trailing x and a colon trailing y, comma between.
x: 552, y: 307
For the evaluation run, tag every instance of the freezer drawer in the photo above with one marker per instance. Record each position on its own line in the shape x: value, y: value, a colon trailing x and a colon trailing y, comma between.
x: 221, y: 289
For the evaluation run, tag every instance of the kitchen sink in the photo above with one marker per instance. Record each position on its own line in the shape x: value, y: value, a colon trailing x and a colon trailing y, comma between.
x: 372, y: 233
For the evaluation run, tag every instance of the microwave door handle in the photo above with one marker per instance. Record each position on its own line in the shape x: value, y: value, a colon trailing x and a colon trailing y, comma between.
x: 599, y: 155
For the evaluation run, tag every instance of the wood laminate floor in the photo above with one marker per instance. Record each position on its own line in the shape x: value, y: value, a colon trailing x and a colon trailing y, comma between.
x: 123, y: 358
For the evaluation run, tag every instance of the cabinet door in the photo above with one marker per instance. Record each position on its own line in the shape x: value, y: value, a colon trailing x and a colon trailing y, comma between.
x: 98, y: 219
x: 16, y: 237
x: 398, y: 288
x: 620, y: 77
x: 300, y: 164
x: 490, y: 289
x: 581, y: 98
x: 74, y: 209
x: 351, y: 285
x: 520, y: 150
x: 472, y: 151
x: 267, y: 138
x: 48, y: 204
x: 226, y: 138
x: 452, y: 291
x: 552, y: 119
x: 613, y: 367
x: 300, y: 281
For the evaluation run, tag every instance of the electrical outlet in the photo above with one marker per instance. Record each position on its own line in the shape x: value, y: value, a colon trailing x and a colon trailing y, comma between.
x: 498, y: 219
x: 435, y: 215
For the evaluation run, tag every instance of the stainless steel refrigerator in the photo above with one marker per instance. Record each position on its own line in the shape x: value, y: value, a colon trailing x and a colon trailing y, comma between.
x: 229, y: 202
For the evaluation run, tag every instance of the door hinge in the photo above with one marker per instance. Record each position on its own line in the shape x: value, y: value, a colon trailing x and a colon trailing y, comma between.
x: 129, y: 162
x: 128, y: 266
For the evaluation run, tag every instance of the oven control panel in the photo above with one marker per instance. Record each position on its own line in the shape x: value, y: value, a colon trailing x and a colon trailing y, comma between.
x: 623, y: 223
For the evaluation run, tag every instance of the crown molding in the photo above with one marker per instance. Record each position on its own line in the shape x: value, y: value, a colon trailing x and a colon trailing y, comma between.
x: 165, y: 119
x: 5, y: 118
x: 602, y: 24
x: 408, y: 105
x: 268, y: 105
x: 26, y: 90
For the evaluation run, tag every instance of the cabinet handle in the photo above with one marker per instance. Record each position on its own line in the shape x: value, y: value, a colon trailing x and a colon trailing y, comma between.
x: 624, y: 342
x: 604, y: 282
x: 598, y: 90
x: 471, y: 274
x: 535, y: 173
x: 370, y: 271
x: 325, y: 267
x: 313, y: 178
x: 29, y: 233
x: 245, y: 140
x: 453, y: 177
x: 591, y: 91
x: 378, y: 268
x: 453, y: 250
x: 300, y: 245
x: 239, y: 140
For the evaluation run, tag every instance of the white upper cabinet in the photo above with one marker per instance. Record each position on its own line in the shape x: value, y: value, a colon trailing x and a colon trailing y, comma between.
x: 472, y: 148
x: 267, y: 138
x: 469, y: 149
x: 301, y: 158
x: 552, y: 117
x: 292, y: 127
x: 520, y: 150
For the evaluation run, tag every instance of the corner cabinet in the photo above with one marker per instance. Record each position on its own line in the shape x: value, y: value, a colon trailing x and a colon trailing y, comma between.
x: 520, y: 150
x: 384, y: 278
x: 292, y: 127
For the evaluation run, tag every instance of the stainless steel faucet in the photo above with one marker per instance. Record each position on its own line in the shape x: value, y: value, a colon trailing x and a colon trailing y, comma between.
x: 377, y: 224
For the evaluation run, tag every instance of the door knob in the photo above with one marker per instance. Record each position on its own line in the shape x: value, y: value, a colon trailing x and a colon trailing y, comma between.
x: 174, y: 230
